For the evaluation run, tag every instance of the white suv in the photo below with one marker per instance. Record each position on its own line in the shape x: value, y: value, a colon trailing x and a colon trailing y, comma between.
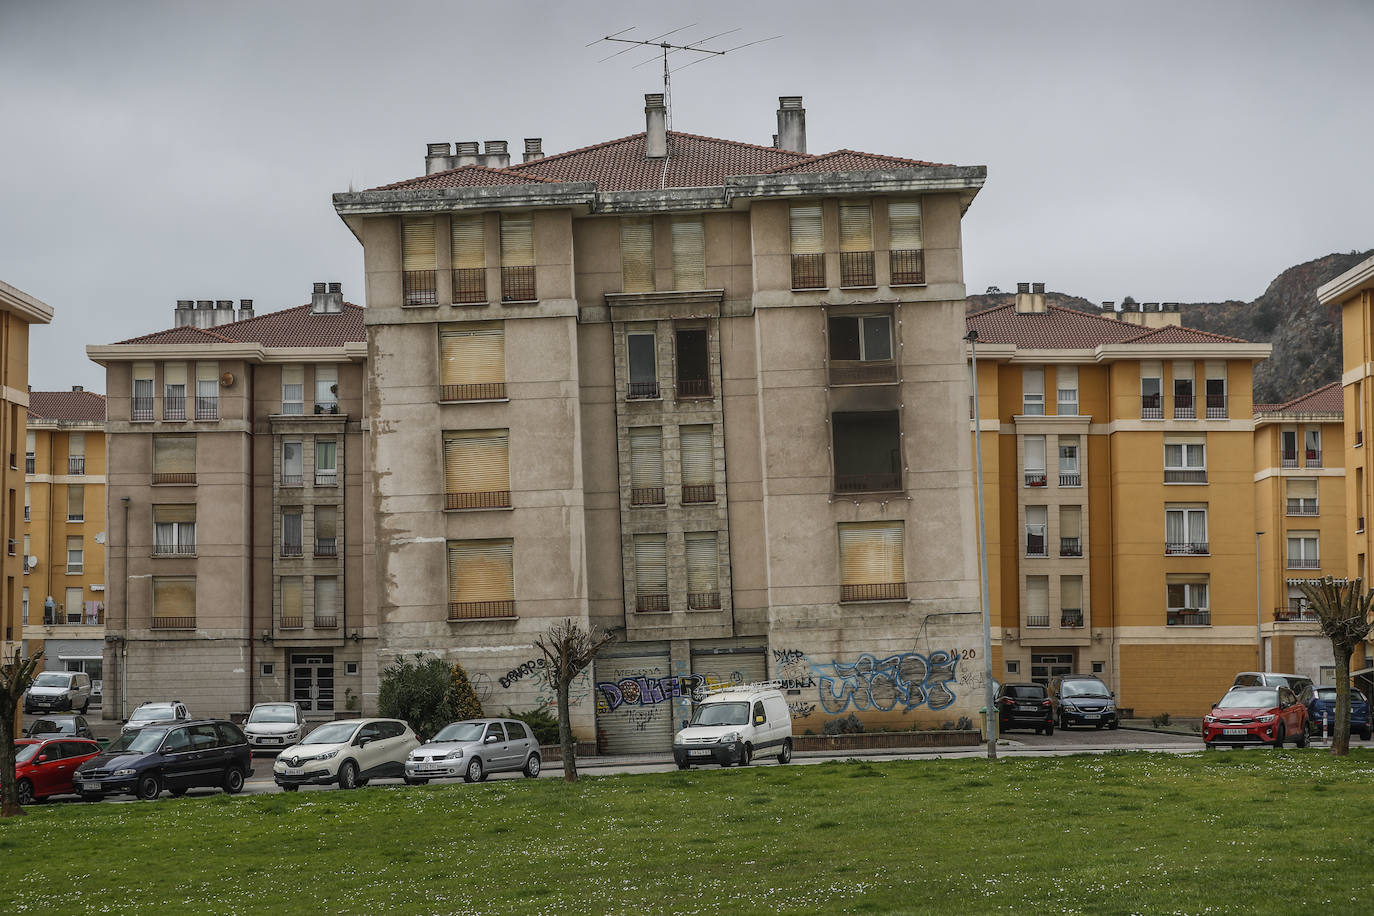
x: 348, y: 752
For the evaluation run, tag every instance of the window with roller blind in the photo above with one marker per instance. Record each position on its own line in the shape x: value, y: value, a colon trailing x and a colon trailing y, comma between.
x: 703, y: 570
x: 698, y: 464
x: 1071, y: 601
x: 481, y: 579
x: 856, y: 244
x: 174, y: 602
x: 1037, y: 601
x: 906, y: 254
x: 326, y: 614
x: 76, y: 502
x: 1034, y: 460
x: 1033, y: 391
x: 326, y: 388
x: 1185, y: 461
x: 872, y: 561
x: 472, y: 362
x: 808, y: 251
x: 642, y: 355
x: 689, y: 253
x: 468, y: 244
x: 646, y: 466
x: 1216, y: 390
x: 293, y: 390
x: 1302, y: 495
x: 1186, y: 598
x: 174, y: 459
x: 292, y: 530
x: 1185, y: 405
x: 477, y: 469
x: 174, y: 530
x: 292, y: 602
x: 418, y: 261
x: 637, y: 254
x: 292, y: 474
x: 1071, y: 531
x: 76, y: 555
x: 1185, y: 529
x: 141, y: 404
x: 693, y: 362
x: 326, y: 463
x: 517, y: 259
x: 861, y: 349
x: 326, y: 531
x: 651, y: 572
x: 174, y: 391
x: 207, y: 391
x: 1066, y: 385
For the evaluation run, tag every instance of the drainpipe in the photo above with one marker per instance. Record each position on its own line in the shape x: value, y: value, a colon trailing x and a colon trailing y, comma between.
x: 124, y: 640
x: 252, y: 554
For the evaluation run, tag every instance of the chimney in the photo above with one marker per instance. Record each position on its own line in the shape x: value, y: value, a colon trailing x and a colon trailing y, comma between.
x: 437, y: 158
x: 245, y: 309
x: 1038, y: 297
x: 1030, y: 302
x: 1157, y: 315
x: 224, y: 311
x: 326, y: 299
x: 1109, y: 309
x: 655, y: 126
x: 791, y: 124
x: 496, y: 155
x: 465, y: 153
x: 185, y: 313
x: 203, y: 318
x: 77, y: 388
x: 1130, y: 313
x: 534, y: 149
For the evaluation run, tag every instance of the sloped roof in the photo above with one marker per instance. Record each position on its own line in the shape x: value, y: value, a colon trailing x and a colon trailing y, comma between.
x: 848, y: 160
x: 467, y: 176
x: 66, y: 405
x: 1326, y: 399
x: 1178, y: 334
x: 293, y: 327
x: 1060, y: 328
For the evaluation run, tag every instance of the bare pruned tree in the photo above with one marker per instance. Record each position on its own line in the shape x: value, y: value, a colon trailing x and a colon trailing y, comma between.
x: 568, y: 650
x: 1343, y: 608
x: 16, y: 676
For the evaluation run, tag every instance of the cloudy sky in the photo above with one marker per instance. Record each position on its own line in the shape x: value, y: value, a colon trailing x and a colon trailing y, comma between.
x: 187, y: 150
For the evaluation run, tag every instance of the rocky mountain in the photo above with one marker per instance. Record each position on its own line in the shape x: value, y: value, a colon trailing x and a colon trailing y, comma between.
x: 1306, y: 335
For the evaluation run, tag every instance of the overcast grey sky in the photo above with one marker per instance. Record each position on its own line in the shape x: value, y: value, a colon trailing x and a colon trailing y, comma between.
x: 1172, y: 151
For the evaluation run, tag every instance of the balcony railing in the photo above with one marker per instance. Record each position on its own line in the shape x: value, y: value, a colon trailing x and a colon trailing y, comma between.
x: 478, y: 391
x: 28, y: 464
x: 651, y: 602
x: 293, y: 480
x: 1035, y: 542
x: 853, y: 372
x: 517, y: 284
x: 207, y: 408
x: 327, y: 547
x: 469, y: 284
x: 1074, y: 479
x: 1184, y: 408
x: 1071, y: 547
x: 1035, y: 479
x: 1151, y: 407
x: 141, y: 408
x: 12, y: 546
x: 907, y: 266
x: 1288, y: 460
x: 174, y: 623
x: 28, y: 511
x: 856, y: 269
x: 292, y: 623
x: 1036, y: 621
x: 183, y: 477
x: 292, y: 550
x: 477, y: 610
x: 1302, y: 506
x: 484, y: 499
x: 76, y: 464
x: 699, y: 493
x: 1314, y: 457
x: 1304, y: 563
x: 326, y: 621
x: 1185, y: 475
x: 703, y: 601
x: 174, y: 407
x: 1071, y: 617
x: 1188, y: 617
x: 79, y: 517
x: 873, y: 591
x: 646, y: 496
x: 77, y: 618
x: 1216, y: 407
x: 326, y: 478
x: 1066, y: 406
x: 1295, y: 613
x: 642, y: 391
x: 693, y: 388
x: 808, y: 271
x: 418, y: 288
x: 185, y: 549
x: 1186, y: 548
x: 868, y: 483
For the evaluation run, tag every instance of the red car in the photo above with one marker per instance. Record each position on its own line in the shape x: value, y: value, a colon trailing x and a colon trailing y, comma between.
x: 1256, y: 715
x: 45, y: 767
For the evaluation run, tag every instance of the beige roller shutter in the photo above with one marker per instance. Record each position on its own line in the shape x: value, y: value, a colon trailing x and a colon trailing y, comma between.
x: 326, y: 601
x: 806, y: 230
x: 872, y: 562
x: 326, y: 521
x: 1070, y: 522
x: 417, y: 243
x: 698, y: 456
x: 634, y: 704
x: 904, y: 225
x: 689, y: 254
x: 472, y: 362
x: 76, y: 501
x: 481, y: 579
x: 174, y: 601
x: 180, y: 513
x: 469, y: 242
x: 651, y: 572
x: 291, y: 602
x: 174, y: 456
x: 637, y: 254
x: 476, y: 462
x: 1302, y: 488
x: 646, y: 457
x: 1037, y: 596
x: 517, y: 241
x: 856, y: 227
x: 746, y: 666
x: 1071, y: 592
x: 703, y: 570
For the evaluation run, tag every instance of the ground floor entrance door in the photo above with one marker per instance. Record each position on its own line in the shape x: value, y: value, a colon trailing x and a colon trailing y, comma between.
x: 312, y: 681
x: 1044, y: 667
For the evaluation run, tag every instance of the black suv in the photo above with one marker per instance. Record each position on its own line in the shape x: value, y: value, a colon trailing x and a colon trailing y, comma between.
x: 1082, y: 699
x: 1024, y: 706
x: 174, y: 756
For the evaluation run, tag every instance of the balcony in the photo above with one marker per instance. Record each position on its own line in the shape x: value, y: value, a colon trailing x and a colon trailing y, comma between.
x: 1035, y: 541
x: 186, y: 549
x: 688, y: 388
x: 808, y: 271
x: 642, y: 391
x: 483, y: 391
x: 1037, y: 621
x: 326, y: 621
x: 174, y: 407
x: 293, y: 480
x: 867, y: 483
x: 907, y: 266
x: 651, y: 602
x: 486, y: 499
x: 857, y: 372
x: 517, y: 284
x: 698, y: 493
x: 1290, y: 613
x: 479, y: 610
x: 1188, y: 617
x: 1184, y: 407
x: 141, y: 408
x: 292, y: 550
x: 178, y: 477
x: 1302, y: 506
x: 1185, y: 475
x: 856, y: 269
x: 1216, y: 407
x: 646, y: 496
x: 1304, y: 563
x: 1288, y: 460
x: 1314, y: 457
x: 703, y: 601
x: 28, y: 464
x: 1036, y: 479
x: 76, y: 464
x: 174, y: 623
x: 326, y: 547
x: 76, y: 518
x: 1071, y: 547
x: 207, y: 408
x: 78, y: 618
x: 1151, y: 407
x: 418, y: 288
x: 1074, y: 479
x: 326, y: 478
x: 874, y: 591
x: 1071, y: 617
x: 292, y: 623
x: 1185, y: 548
x: 470, y: 285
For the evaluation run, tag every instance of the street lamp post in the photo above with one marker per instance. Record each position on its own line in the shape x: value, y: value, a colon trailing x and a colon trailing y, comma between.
x: 1259, y: 612
x: 991, y: 711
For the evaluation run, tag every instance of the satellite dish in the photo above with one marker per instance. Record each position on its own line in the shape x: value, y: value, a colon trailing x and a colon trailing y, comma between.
x: 32, y: 561
x: 226, y: 380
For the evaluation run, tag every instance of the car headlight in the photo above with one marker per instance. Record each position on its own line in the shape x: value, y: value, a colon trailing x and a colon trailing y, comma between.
x: 454, y: 755
x: 1269, y: 718
x: 126, y: 772
x: 729, y: 738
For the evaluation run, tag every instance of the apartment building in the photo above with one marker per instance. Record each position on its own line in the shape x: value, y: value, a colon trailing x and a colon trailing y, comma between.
x: 18, y: 310
x: 1117, y: 461
x: 64, y: 532
x: 239, y: 487
x: 703, y: 392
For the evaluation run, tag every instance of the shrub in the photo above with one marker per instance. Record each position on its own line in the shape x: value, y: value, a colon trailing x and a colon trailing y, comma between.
x: 1160, y: 720
x: 542, y: 722
x: 461, y: 696
x: 417, y: 690
x: 849, y: 725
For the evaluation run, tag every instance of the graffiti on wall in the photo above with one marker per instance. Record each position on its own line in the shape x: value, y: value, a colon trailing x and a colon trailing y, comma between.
x: 901, y: 681
x: 646, y: 691
x: 531, y: 671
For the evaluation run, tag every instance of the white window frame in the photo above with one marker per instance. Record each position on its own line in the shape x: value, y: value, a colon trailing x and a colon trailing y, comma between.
x: 293, y: 391
x: 1308, y: 555
x: 1185, y: 465
x: 1192, y: 523
x: 1066, y: 398
x: 1032, y: 401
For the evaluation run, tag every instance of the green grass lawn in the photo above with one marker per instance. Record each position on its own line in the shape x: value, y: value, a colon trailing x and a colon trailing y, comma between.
x: 1239, y: 832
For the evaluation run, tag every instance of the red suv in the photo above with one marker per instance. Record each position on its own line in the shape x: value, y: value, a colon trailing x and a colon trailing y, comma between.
x: 45, y: 767
x: 1256, y: 715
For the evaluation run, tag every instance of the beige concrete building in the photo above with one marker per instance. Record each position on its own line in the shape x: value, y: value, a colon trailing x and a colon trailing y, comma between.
x: 240, y: 534
x: 709, y: 393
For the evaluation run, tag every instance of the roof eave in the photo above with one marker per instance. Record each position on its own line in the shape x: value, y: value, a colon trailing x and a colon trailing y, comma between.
x: 104, y: 354
x: 1299, y: 416
x: 1221, y: 350
x: 481, y: 197
x: 1357, y: 278
x: 30, y: 308
x: 915, y: 180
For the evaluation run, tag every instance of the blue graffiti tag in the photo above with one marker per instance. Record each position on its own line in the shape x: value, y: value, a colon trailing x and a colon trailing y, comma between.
x: 907, y: 680
x: 647, y: 691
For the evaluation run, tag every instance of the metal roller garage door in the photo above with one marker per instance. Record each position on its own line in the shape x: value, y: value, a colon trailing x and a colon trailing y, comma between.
x: 748, y: 666
x: 634, y: 705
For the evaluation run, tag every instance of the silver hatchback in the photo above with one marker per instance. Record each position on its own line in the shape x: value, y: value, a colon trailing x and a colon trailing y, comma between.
x: 474, y: 748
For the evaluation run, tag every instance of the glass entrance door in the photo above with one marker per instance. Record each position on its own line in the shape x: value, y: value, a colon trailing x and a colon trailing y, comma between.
x: 1044, y: 667
x: 312, y: 681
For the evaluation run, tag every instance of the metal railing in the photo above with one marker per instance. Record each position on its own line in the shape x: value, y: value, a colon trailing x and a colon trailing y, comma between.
x: 1071, y: 547
x: 1302, y: 506
x: 1314, y: 457
x: 326, y: 408
x: 646, y: 496
x: 863, y: 373
x: 1216, y: 407
x: 1185, y: 475
x: 1071, y: 617
x: 1295, y: 613
x: 642, y: 391
x: 1035, y: 541
x: 80, y: 517
x: 1036, y: 621
x: 808, y: 271
x: 293, y: 480
x: 1288, y: 460
x: 1151, y: 407
x: 1070, y: 480
x: 484, y: 499
x: 326, y: 547
x: 76, y: 464
x: 698, y: 493
x: 868, y: 483
x: 907, y: 266
x: 693, y: 388
x: 651, y: 602
x: 517, y: 284
x: 141, y: 408
x: 326, y: 478
x: 874, y: 591
x: 12, y: 546
x: 477, y: 610
x: 182, y: 477
x: 292, y: 550
x: 476, y: 391
x: 856, y: 269
x: 703, y: 601
x: 29, y: 463
x: 185, y: 549
x: 418, y: 288
x: 207, y: 408
x: 292, y: 623
x: 326, y: 621
x: 1359, y: 524
x: 1184, y: 407
x: 1304, y: 563
x: 469, y: 284
x: 1035, y: 479
x: 1188, y: 617
x: 173, y: 623
x: 174, y: 407
x: 1185, y: 548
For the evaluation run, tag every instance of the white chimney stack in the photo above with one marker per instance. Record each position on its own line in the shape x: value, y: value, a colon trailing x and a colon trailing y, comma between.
x: 655, y: 126
x: 791, y: 124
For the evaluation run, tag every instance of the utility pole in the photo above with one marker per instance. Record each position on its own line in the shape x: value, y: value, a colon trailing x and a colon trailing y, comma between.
x: 972, y: 338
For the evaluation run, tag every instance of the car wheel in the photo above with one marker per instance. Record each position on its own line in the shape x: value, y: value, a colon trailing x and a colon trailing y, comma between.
x: 290, y: 788
x: 532, y: 767
x: 684, y: 765
x: 1114, y: 724
x: 785, y: 755
x: 1279, y: 736
x: 474, y: 772
x: 348, y: 775
x: 85, y: 706
x: 25, y: 792
x: 1063, y: 721
x: 1301, y: 740
x: 415, y: 781
x: 233, y: 780
x: 149, y: 787
x: 1099, y: 725
x: 746, y: 756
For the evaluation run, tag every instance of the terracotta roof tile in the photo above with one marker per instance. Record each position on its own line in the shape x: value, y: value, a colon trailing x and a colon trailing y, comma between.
x: 1326, y: 399
x: 294, y: 327
x: 1179, y: 334
x: 182, y: 335
x: 1062, y: 328
x: 467, y: 176
x: 66, y: 405
x: 848, y: 160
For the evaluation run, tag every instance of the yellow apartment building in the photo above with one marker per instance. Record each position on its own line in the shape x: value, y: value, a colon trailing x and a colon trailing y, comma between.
x: 1118, y: 465
x: 64, y: 531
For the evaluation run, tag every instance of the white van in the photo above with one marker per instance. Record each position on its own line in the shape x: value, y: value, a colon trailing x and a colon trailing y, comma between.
x: 732, y: 725
x: 54, y: 690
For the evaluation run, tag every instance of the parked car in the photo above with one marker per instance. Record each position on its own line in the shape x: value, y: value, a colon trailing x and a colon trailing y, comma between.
x: 1322, y: 708
x: 1024, y: 706
x: 156, y: 713
x: 730, y: 726
x: 273, y: 726
x: 202, y: 753
x: 473, y: 749
x: 348, y: 752
x: 1300, y: 685
x: 53, y: 690
x: 60, y: 727
x: 1256, y: 715
x: 1082, y: 699
x: 45, y: 767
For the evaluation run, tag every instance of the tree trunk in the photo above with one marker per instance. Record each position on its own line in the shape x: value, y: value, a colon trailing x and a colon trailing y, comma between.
x: 1340, y: 735
x: 9, y: 787
x: 567, y: 748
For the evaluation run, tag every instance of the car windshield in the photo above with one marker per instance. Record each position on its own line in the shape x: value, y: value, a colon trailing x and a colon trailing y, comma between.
x: 26, y: 753
x: 332, y: 733
x: 1084, y: 689
x: 1250, y: 698
x: 44, y: 727
x: 461, y: 731
x: 721, y: 714
x: 1329, y: 693
x: 151, y: 713
x: 1026, y: 693
x: 52, y: 679
x: 278, y: 712
x: 143, y: 741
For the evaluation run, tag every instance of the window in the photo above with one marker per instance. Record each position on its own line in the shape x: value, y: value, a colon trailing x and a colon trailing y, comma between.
x: 30, y: 451
x: 516, y: 731
x: 637, y: 254
x: 142, y: 402
x: 651, y: 572
x: 1302, y: 495
x: 1069, y: 474
x: 1066, y: 391
x: 468, y: 244
x: 1302, y: 550
x: 689, y: 253
x: 1037, y: 601
x: 477, y: 469
x: 1033, y: 391
x: 1216, y: 391
x: 1184, y: 406
x: 291, y: 531
x: 174, y: 530
x: 646, y: 466
x: 1035, y: 460
x: 472, y: 363
x: 207, y: 391
x: 326, y: 602
x: 517, y: 259
x: 350, y: 667
x: 76, y: 453
x: 326, y: 531
x: 906, y: 259
x: 28, y: 501
x: 1036, y: 528
x: 861, y: 349
x: 1071, y: 531
x: 268, y: 669
x: 1151, y: 391
x: 1185, y: 462
x: 76, y: 502
x: 867, y: 449
x: 1071, y: 601
x: 1297, y: 609
x: 481, y: 581
x: 1013, y: 667
x: 1288, y: 448
x: 73, y: 605
x: 292, y: 603
x: 872, y: 561
x: 1312, y: 447
x: 417, y: 261
x: 326, y: 388
x: 293, y: 390
x: 174, y: 391
x: 28, y: 552
x: 326, y: 463
x: 174, y: 603
x: 1187, y: 602
x: 25, y: 619
x: 693, y: 363
x: 856, y: 245
x: 808, y: 252
x: 703, y: 570
x: 643, y: 362
x: 1185, y: 530
x: 174, y: 459
x: 698, y: 464
x: 292, y: 474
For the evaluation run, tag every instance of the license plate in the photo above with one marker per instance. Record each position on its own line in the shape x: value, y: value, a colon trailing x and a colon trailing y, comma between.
x: 1091, y: 715
x: 427, y: 769
x: 269, y: 740
x: 1235, y: 731
x: 701, y: 753
x: 1026, y: 708
x: 295, y: 771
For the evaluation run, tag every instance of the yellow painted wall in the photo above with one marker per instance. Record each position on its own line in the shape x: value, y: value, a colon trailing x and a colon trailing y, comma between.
x: 1181, y: 679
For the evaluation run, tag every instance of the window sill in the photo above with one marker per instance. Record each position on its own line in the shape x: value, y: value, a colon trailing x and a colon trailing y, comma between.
x: 908, y: 285
x: 810, y: 289
x: 467, y: 510
x: 848, y: 601
x: 480, y: 619
x: 76, y: 521
x: 1189, y: 626
x: 174, y: 556
x: 519, y: 301
x: 419, y: 305
x: 478, y: 401
x: 873, y: 287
